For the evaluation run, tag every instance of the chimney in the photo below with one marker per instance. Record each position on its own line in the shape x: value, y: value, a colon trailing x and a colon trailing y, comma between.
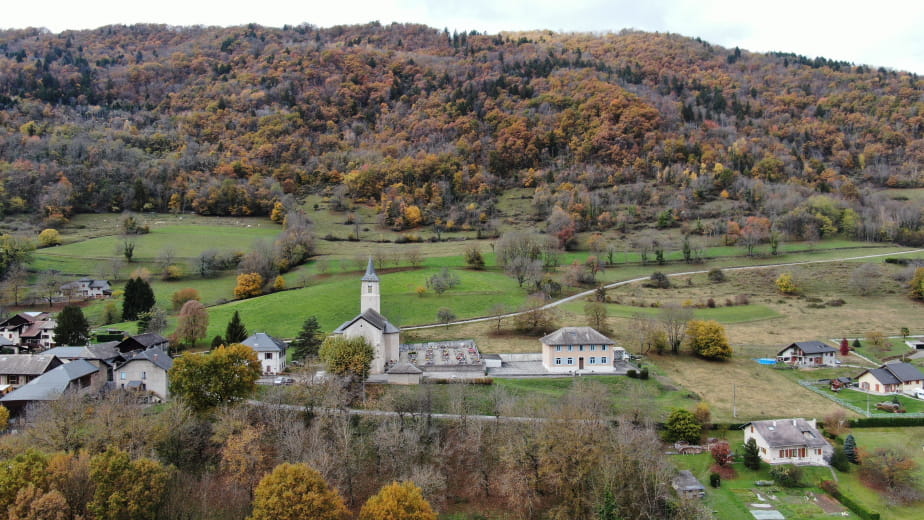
x: 794, y: 422
x: 774, y: 424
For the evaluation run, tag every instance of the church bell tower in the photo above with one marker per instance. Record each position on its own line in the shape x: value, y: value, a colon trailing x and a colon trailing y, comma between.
x: 370, y: 296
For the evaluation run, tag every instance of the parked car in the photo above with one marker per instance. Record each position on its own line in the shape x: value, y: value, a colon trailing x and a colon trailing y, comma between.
x: 283, y: 381
x: 919, y: 393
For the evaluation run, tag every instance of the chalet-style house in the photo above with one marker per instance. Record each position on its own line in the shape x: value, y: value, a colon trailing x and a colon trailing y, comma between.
x: 270, y: 351
x: 85, y: 289
x: 789, y: 441
x: 808, y: 354
x: 76, y: 375
x: 18, y: 369
x: 33, y: 331
x: 371, y: 325
x: 143, y: 342
x: 146, y: 371
x: 579, y: 348
x: 891, y: 378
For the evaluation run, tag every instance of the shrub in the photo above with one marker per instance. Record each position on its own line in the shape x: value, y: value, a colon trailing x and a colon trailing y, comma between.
x: 786, y: 285
x: 716, y: 275
x: 839, y: 460
x: 643, y: 374
x: 632, y: 373
x: 49, y: 237
x: 787, y: 475
x: 660, y: 280
x: 715, y: 480
x: 710, y: 303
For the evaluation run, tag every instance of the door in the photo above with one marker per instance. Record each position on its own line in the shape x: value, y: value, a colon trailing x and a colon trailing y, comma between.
x: 580, y: 363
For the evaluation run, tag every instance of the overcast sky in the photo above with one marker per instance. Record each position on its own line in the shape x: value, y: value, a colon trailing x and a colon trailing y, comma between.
x: 886, y: 33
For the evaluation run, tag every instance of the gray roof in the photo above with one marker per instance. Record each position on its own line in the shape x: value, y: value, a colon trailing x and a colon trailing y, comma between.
x: 895, y: 373
x: 370, y: 275
x: 154, y: 355
x: 26, y: 364
x: 685, y: 481
x: 149, y: 339
x: 50, y: 385
x: 263, y: 342
x: 104, y: 351
x: 404, y: 368
x: 576, y: 336
x: 5, y: 342
x: 375, y: 319
x: 783, y: 433
x: 812, y: 347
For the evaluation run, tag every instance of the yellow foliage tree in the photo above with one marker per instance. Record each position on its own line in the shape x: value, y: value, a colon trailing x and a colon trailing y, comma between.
x: 917, y: 284
x: 126, y: 488
x: 412, y: 216
x: 243, y: 457
x: 248, y: 285
x: 49, y: 237
x: 296, y: 492
x: 4, y: 418
x: 279, y: 284
x: 707, y: 339
x: 398, y: 501
x: 786, y: 285
x: 279, y: 212
x: 33, y: 504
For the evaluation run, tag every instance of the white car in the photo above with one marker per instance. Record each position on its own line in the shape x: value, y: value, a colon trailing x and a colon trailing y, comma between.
x: 283, y: 381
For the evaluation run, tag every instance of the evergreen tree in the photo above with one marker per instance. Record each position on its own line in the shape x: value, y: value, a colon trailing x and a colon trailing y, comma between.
x: 751, y: 455
x: 856, y: 343
x: 72, y: 327
x: 138, y: 298
x: 235, y: 332
x: 308, y: 341
x: 850, y: 449
x: 608, y: 510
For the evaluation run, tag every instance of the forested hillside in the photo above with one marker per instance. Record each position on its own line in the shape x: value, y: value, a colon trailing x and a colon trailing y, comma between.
x: 616, y: 129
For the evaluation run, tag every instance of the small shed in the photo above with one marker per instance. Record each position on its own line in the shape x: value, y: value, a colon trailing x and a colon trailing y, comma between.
x: 687, y: 485
x: 404, y: 374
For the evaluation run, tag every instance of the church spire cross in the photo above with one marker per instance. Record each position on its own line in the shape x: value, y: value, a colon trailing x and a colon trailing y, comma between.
x: 370, y: 275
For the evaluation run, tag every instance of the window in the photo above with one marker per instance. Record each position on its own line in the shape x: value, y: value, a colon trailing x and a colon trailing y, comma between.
x: 603, y: 360
x: 144, y: 375
x: 558, y: 348
x: 570, y: 348
x: 369, y: 289
x: 593, y: 361
x: 593, y: 347
x: 268, y: 355
x: 13, y: 380
x: 558, y: 361
x: 602, y: 347
x: 123, y: 375
x: 581, y: 348
x: 570, y: 360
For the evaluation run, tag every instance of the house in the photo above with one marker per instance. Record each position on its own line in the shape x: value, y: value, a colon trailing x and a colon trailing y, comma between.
x: 373, y: 326
x: 579, y: 348
x: 30, y: 330
x: 143, y: 342
x: 687, y: 485
x: 270, y: 351
x: 85, y: 289
x: 808, y: 354
x: 789, y: 441
x: 103, y: 355
x: 146, y: 371
x: 404, y: 374
x: 76, y: 375
x: 891, y: 378
x: 18, y: 369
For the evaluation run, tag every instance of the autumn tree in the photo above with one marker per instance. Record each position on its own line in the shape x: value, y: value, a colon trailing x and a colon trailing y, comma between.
x: 4, y: 418
x: 72, y: 327
x: 248, y: 285
x: 236, y: 331
x: 184, y: 295
x: 707, y: 340
x: 786, y: 285
x: 126, y: 488
x: 681, y: 425
x: 33, y: 503
x: 596, y: 315
x: 28, y: 468
x: 226, y: 375
x: 347, y: 356
x: 445, y: 315
x: 49, y: 237
x: 296, y: 492
x: 398, y: 501
x: 473, y: 257
x: 917, y: 284
x: 844, y: 347
x: 153, y: 321
x: 308, y: 341
x: 894, y: 471
x: 192, y: 322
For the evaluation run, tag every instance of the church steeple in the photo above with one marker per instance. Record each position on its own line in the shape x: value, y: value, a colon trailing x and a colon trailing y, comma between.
x: 370, y: 297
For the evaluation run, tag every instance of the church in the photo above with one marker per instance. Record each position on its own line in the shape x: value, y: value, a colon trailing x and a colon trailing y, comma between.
x: 371, y: 325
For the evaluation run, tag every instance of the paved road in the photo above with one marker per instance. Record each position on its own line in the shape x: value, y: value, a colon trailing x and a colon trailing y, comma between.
x: 643, y: 278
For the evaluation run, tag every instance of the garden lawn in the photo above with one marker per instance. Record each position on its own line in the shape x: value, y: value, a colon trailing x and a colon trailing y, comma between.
x: 860, y: 400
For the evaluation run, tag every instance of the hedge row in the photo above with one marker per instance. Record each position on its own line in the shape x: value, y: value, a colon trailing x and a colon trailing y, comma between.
x: 831, y: 488
x: 874, y: 422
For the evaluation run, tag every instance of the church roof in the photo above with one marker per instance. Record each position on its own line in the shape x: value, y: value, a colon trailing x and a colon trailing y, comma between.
x: 370, y: 275
x: 373, y: 318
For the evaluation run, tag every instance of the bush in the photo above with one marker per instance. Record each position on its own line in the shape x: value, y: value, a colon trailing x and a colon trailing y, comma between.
x: 715, y: 480
x: 787, y: 475
x: 643, y: 374
x: 632, y: 373
x: 839, y: 460
x: 659, y: 280
x: 716, y: 275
